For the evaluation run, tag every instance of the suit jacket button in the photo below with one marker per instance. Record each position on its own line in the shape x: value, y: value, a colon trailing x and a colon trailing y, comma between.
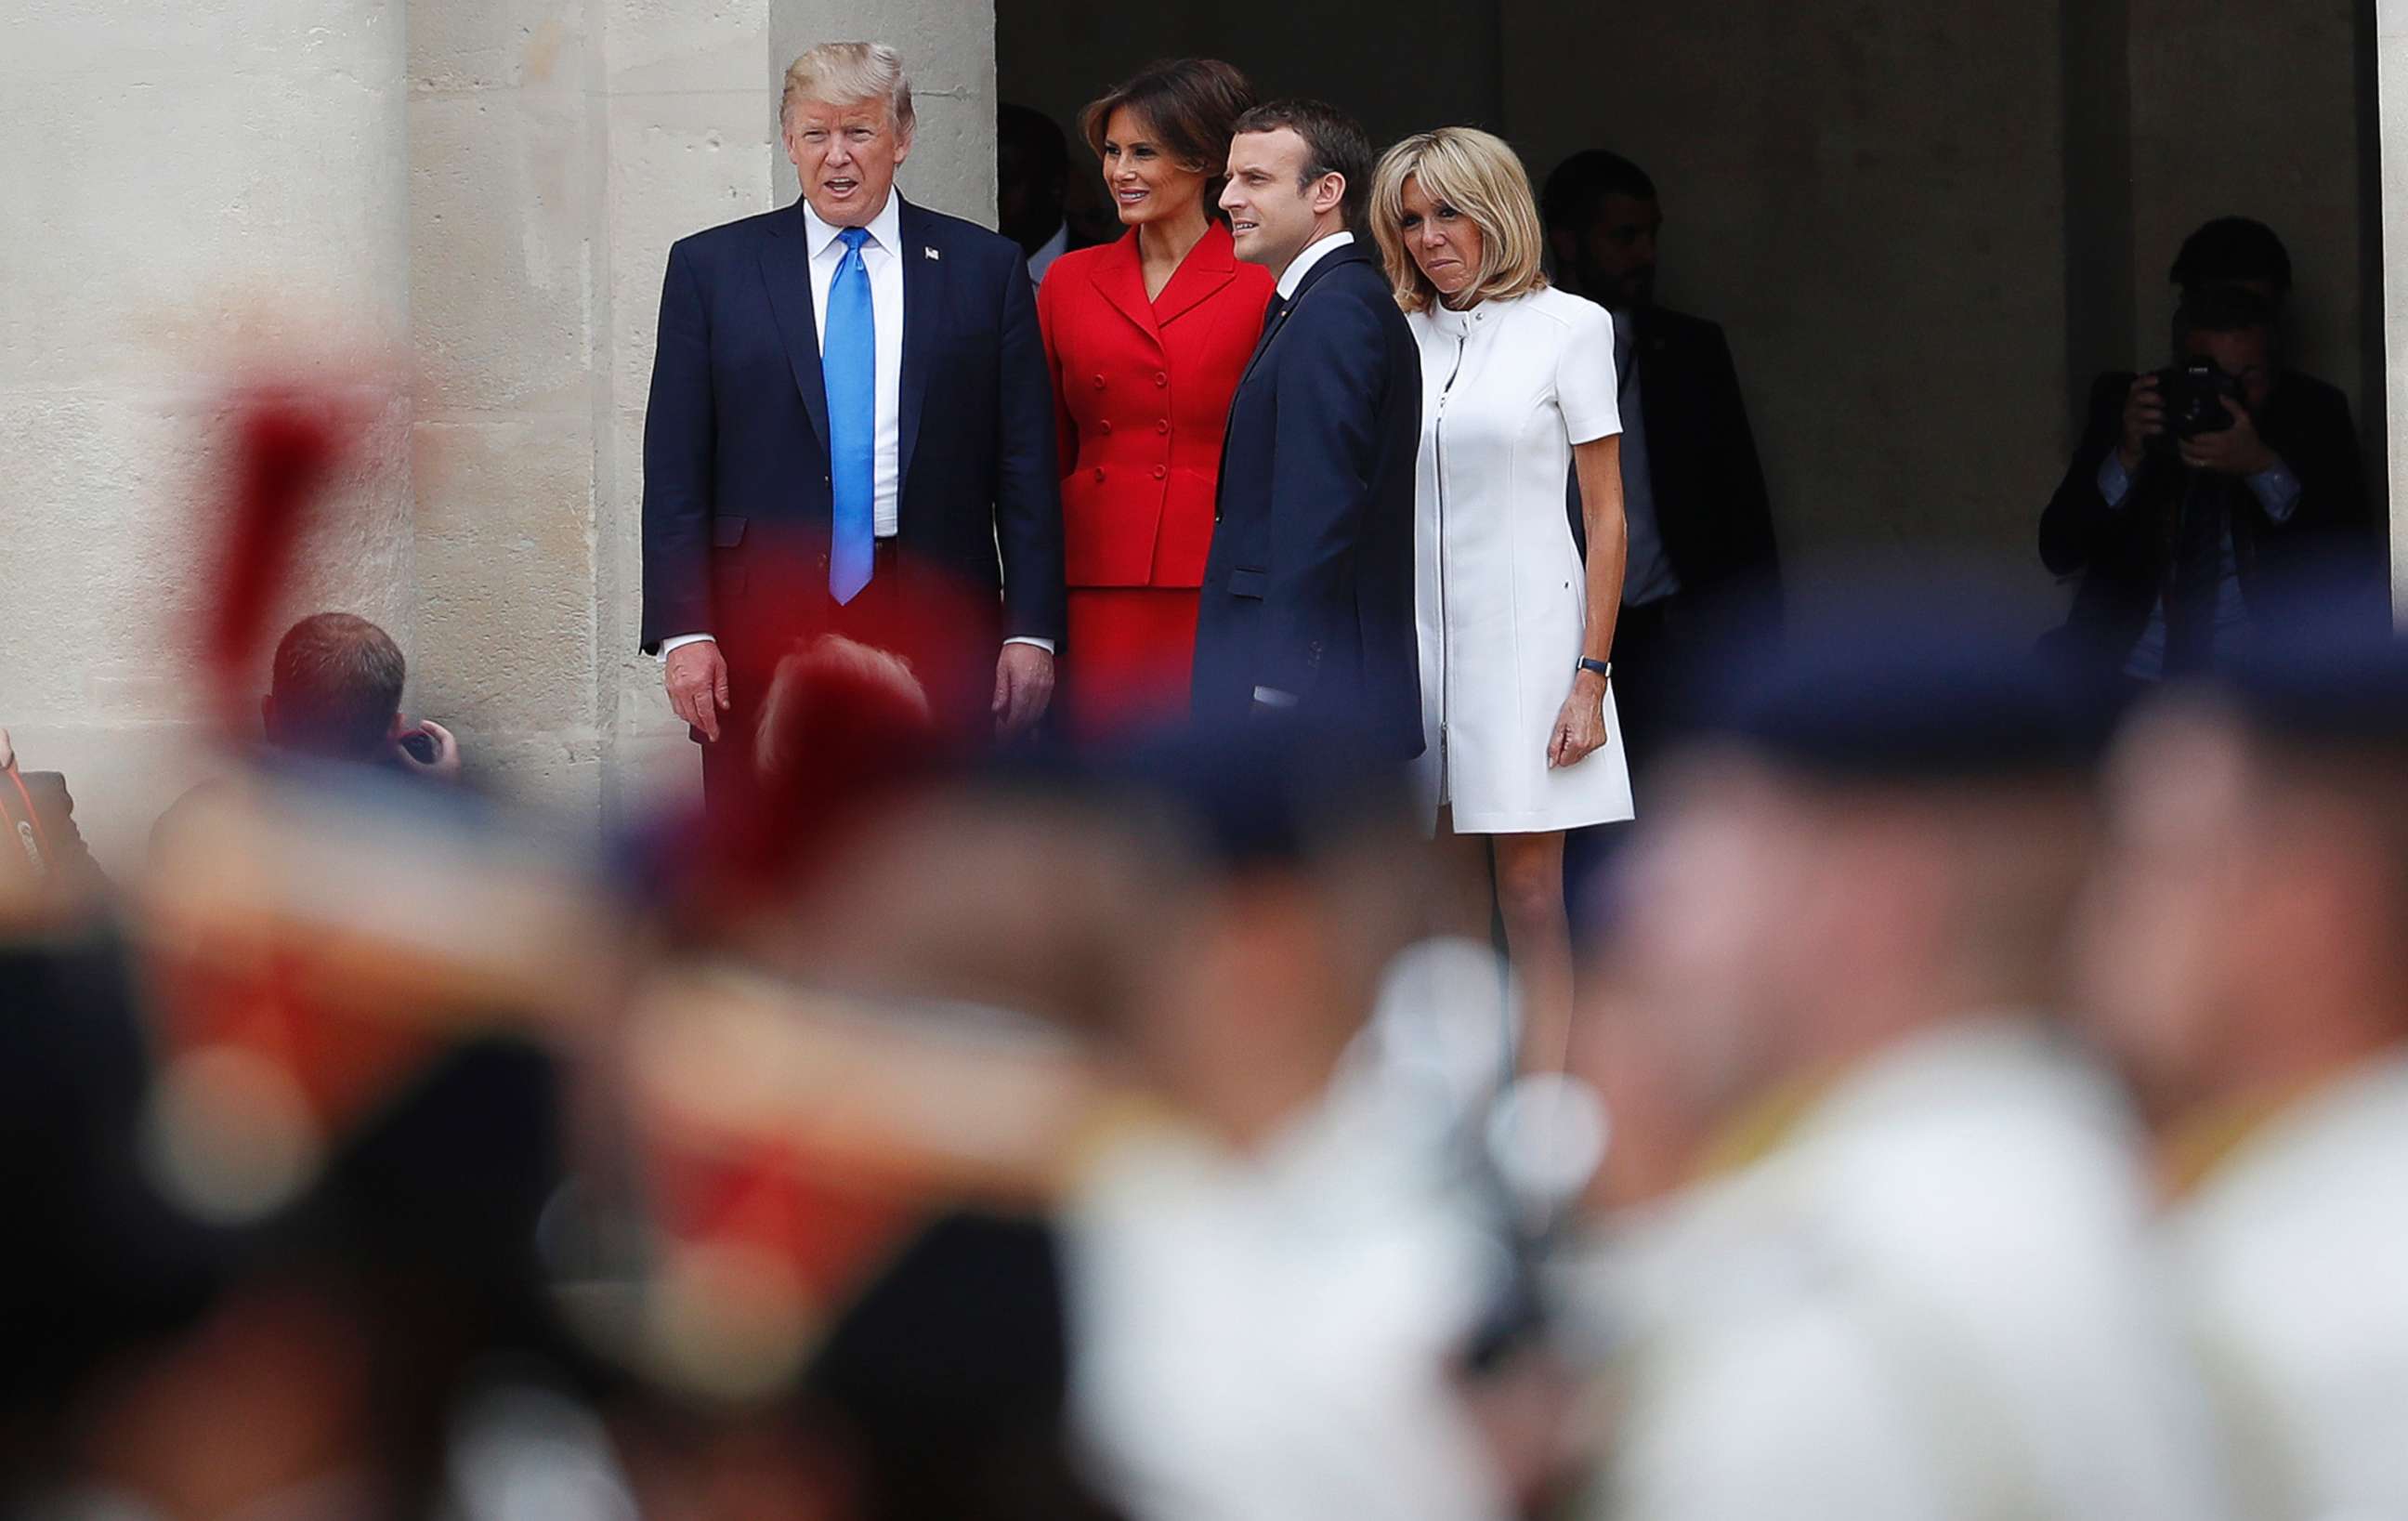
x: 1160, y: 377
x: 1099, y: 382
x: 1099, y: 472
x: 1162, y: 425
x: 1106, y: 424
x: 1159, y: 472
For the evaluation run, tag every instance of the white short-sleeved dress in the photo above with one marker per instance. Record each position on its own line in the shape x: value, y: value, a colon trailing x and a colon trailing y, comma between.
x: 1501, y: 596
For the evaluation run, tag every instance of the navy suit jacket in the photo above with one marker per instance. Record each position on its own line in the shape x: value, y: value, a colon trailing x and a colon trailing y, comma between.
x: 1309, y: 588
x: 736, y: 454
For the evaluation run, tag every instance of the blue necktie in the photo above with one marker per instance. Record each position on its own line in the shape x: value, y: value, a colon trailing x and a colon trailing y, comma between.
x: 848, y: 362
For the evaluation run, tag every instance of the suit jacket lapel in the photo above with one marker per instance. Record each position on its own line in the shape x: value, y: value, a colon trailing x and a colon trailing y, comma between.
x: 1119, y: 278
x: 786, y: 268
x: 1263, y: 344
x: 924, y: 315
x: 1211, y: 263
x: 1345, y: 253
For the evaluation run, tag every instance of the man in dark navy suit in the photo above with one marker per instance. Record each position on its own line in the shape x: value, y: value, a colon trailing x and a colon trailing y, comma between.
x: 1308, y: 598
x: 849, y: 427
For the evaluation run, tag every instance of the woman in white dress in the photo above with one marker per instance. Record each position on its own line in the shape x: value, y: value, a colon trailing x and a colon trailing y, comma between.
x: 1517, y: 632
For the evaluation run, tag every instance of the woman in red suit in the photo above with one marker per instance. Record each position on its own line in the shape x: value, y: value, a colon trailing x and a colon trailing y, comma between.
x: 1147, y: 339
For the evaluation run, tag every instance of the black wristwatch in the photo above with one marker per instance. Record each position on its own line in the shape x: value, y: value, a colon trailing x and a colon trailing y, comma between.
x: 1603, y: 667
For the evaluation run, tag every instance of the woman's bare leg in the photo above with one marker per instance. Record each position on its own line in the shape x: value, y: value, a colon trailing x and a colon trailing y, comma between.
x: 1529, y: 875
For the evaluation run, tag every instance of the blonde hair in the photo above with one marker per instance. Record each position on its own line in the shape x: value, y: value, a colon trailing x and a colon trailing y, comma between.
x: 1477, y: 174
x: 845, y: 74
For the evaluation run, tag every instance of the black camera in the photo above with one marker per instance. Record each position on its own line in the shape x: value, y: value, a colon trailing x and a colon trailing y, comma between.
x: 2194, y: 392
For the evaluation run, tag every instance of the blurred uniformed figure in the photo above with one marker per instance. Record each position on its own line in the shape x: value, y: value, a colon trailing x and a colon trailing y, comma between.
x: 2248, y: 955
x: 1895, y: 1266
x: 1275, y: 1290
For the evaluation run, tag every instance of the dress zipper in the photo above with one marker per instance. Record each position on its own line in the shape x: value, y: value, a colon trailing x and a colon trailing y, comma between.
x: 1445, y: 666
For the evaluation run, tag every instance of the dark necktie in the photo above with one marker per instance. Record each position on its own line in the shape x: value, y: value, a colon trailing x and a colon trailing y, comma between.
x: 1271, y: 315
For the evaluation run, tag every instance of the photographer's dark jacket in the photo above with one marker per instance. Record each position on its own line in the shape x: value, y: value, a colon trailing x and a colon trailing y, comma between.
x: 2123, y: 553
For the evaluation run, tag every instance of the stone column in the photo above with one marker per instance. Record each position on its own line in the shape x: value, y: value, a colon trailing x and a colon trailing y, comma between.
x: 558, y: 148
x: 192, y: 182
x: 2392, y: 92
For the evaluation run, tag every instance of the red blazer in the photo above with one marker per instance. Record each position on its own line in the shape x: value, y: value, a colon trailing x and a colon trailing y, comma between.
x: 1142, y: 395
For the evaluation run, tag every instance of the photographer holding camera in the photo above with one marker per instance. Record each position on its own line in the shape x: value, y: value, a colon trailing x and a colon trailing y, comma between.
x: 2202, y: 489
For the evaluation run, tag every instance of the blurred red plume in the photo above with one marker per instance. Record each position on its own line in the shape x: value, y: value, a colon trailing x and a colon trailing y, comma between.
x: 845, y: 729
x: 288, y: 440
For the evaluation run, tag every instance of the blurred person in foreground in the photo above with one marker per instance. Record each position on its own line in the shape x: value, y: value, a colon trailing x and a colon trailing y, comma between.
x: 1237, y: 1292
x: 2202, y: 495
x: 1276, y: 1294
x: 1880, y: 1248
x: 2247, y: 956
x: 280, y: 1245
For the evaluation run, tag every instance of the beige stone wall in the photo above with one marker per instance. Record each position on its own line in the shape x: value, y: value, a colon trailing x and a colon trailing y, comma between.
x: 193, y: 184
x: 481, y: 192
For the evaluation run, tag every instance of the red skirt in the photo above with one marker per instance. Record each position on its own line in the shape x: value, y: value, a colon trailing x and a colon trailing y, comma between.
x: 1131, y: 653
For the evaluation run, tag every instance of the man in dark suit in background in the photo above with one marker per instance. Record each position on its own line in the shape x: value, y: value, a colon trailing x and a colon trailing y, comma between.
x: 2184, y: 533
x: 1032, y: 186
x: 1692, y: 488
x: 1308, y: 598
x: 849, y: 419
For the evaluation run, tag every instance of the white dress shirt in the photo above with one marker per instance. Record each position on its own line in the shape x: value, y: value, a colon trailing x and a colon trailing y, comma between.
x: 882, y: 255
x: 1301, y: 265
x: 879, y: 256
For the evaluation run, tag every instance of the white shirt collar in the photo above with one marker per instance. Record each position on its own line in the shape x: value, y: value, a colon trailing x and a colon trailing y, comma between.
x: 885, y: 229
x: 1051, y: 249
x: 1302, y: 265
